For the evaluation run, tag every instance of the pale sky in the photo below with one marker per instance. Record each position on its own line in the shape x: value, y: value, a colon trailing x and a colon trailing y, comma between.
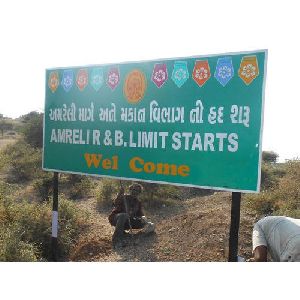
x: 36, y: 35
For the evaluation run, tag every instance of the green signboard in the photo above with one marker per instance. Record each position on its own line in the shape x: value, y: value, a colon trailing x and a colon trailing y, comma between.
x: 193, y: 121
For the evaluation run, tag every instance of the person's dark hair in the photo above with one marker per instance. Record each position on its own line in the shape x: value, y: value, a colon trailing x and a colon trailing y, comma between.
x: 136, y: 187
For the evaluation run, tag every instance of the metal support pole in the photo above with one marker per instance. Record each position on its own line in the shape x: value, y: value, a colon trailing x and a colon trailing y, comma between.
x: 234, y: 226
x: 54, y: 217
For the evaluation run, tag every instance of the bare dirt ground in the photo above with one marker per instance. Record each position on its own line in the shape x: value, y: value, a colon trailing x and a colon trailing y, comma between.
x: 192, y: 230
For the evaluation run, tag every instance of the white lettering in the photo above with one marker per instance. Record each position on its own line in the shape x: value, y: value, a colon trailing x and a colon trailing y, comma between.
x: 166, y: 114
x: 233, y: 140
x: 196, y: 114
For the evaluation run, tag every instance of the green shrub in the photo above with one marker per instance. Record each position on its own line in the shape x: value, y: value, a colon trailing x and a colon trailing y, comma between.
x: 81, y: 187
x: 28, y: 224
x: 6, y: 189
x: 262, y: 204
x: 270, y: 175
x: 71, y: 222
x: 26, y: 228
x: 107, y: 192
x: 13, y: 248
x: 22, y: 161
x: 43, y: 185
x: 157, y: 195
x: 282, y: 198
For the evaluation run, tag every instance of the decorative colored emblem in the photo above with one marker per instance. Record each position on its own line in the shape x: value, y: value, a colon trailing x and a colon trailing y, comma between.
x: 201, y: 72
x: 96, y: 78
x: 135, y: 86
x: 82, y: 79
x: 53, y: 81
x: 224, y: 70
x: 113, y: 77
x: 67, y: 80
x: 180, y: 73
x: 248, y: 70
x: 159, y: 74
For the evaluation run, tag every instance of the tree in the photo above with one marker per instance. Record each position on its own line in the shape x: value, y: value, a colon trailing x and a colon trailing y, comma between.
x: 269, y: 157
x: 33, y: 129
x: 28, y: 117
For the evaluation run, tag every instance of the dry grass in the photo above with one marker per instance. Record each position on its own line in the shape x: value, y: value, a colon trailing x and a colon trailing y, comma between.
x: 6, y: 141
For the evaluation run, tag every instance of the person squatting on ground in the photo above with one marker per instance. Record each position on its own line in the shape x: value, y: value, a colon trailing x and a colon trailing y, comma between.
x: 127, y: 212
x: 278, y: 235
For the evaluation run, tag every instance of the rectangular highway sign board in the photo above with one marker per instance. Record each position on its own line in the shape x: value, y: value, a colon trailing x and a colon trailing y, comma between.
x: 194, y: 121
